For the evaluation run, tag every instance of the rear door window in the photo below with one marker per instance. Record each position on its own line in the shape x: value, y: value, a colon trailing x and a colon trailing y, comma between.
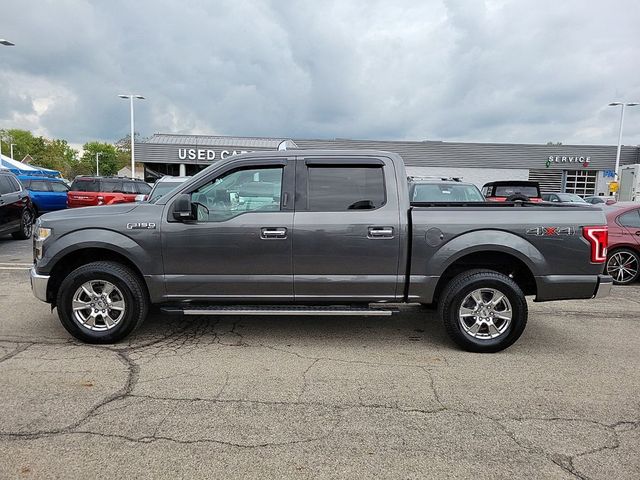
x: 15, y: 184
x: 112, y: 186
x: 39, y: 186
x: 129, y: 187
x: 630, y: 219
x: 336, y: 189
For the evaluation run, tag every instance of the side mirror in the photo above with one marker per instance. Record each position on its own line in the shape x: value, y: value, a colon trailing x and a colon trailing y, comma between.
x: 182, y: 207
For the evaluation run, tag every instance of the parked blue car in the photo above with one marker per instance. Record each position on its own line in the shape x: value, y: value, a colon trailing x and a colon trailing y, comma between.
x: 47, y: 193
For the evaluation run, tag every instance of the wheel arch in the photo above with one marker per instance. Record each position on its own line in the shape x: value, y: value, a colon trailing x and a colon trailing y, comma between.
x: 623, y: 246
x: 497, y: 260
x: 73, y: 259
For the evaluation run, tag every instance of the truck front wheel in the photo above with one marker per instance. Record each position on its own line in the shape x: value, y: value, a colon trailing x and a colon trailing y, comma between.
x: 102, y: 302
x: 483, y: 311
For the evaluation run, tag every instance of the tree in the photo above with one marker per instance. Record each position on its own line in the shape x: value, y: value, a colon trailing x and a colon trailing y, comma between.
x: 109, y: 161
x: 54, y: 154
x: 24, y: 143
x: 58, y: 155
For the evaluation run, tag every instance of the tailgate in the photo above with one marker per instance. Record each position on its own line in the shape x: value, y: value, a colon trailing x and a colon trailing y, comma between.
x: 82, y: 199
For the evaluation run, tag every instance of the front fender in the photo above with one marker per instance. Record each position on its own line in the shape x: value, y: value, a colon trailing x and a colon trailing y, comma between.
x: 99, y: 238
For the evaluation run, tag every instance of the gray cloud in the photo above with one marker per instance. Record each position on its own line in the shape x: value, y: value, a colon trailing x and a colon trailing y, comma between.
x: 528, y: 71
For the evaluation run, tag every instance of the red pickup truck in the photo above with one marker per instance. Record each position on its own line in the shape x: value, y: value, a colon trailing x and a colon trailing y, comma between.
x: 92, y: 191
x: 512, y: 191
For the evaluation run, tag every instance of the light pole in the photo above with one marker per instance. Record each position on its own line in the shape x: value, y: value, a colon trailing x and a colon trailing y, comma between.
x: 11, y: 147
x: 97, y: 163
x: 622, y: 104
x: 5, y: 43
x: 131, y: 96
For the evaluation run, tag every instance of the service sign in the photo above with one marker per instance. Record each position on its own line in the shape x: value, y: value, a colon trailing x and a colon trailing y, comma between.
x: 579, y: 159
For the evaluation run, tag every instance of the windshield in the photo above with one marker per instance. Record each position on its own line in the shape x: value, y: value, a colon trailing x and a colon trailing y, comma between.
x: 508, y: 190
x: 445, y: 192
x: 162, y: 188
x: 570, y: 197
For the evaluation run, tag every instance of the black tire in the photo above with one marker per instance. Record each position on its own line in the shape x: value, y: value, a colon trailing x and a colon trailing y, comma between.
x: 630, y: 258
x: 134, y: 295
x: 26, y: 226
x: 463, y: 285
x: 518, y: 198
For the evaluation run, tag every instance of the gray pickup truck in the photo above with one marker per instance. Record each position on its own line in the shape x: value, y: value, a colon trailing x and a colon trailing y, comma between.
x: 315, y: 233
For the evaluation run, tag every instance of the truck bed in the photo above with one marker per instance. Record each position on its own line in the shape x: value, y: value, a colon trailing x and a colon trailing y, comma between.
x: 546, y: 239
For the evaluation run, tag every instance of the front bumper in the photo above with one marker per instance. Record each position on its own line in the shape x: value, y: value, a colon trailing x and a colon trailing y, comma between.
x: 39, y: 284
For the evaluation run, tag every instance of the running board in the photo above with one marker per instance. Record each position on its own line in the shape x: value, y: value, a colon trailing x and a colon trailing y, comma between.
x: 276, y: 310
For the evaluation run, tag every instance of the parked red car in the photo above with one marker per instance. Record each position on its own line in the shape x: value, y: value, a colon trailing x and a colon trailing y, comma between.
x: 512, y: 191
x: 91, y: 191
x: 623, y: 259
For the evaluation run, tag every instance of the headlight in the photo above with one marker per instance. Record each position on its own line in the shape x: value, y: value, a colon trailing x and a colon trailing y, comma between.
x: 42, y: 233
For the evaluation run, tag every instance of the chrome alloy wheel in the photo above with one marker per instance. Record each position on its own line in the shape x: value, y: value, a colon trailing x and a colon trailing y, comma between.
x: 27, y: 223
x: 98, y: 305
x: 623, y: 267
x: 485, y: 314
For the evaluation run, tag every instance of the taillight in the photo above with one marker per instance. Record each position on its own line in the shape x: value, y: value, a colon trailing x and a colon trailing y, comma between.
x: 598, y: 238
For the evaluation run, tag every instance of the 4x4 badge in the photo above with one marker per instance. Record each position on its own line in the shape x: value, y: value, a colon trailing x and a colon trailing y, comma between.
x: 550, y: 231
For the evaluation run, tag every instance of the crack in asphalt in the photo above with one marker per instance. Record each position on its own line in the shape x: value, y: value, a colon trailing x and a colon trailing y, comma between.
x: 20, y: 348
x: 304, y: 378
x: 194, y: 333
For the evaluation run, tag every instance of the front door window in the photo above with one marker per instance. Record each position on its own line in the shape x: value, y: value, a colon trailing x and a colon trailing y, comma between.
x: 241, y: 191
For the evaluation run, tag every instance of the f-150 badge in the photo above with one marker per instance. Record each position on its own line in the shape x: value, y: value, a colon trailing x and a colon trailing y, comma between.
x: 550, y: 231
x: 141, y: 226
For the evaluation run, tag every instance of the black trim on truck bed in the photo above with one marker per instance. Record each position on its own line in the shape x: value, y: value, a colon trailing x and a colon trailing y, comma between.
x: 496, y: 204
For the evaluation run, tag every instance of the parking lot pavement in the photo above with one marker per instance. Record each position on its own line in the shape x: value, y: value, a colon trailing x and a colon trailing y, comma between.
x: 318, y: 397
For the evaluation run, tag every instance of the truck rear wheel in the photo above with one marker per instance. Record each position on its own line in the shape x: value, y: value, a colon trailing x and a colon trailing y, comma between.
x: 102, y: 302
x: 483, y: 311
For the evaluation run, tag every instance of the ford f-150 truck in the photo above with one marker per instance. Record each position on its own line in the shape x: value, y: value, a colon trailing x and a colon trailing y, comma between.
x: 315, y: 233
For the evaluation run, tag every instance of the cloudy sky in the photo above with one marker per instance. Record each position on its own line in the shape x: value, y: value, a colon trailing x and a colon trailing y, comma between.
x: 495, y: 70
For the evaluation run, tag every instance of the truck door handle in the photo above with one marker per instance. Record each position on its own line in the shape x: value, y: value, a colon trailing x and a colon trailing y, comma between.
x: 380, y: 232
x: 268, y: 233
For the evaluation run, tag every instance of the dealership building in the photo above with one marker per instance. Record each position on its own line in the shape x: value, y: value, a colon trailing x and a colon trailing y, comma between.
x: 581, y: 169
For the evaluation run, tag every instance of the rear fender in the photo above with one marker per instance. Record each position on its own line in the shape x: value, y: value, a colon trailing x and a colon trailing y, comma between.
x: 424, y: 278
x: 486, y: 241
